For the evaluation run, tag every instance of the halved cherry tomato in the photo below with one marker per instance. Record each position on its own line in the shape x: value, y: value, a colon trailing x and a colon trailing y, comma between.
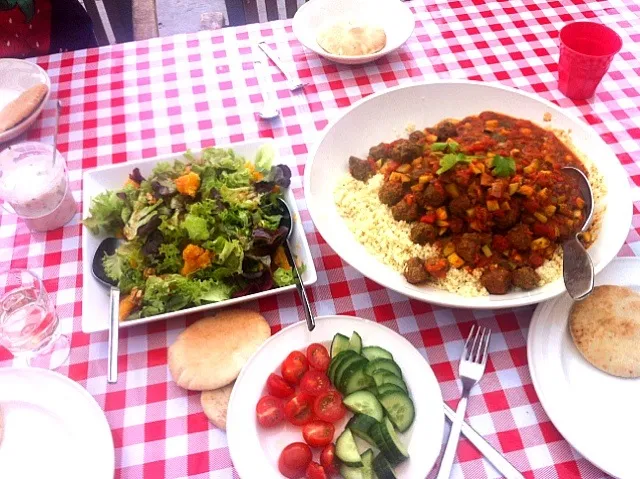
x: 328, y: 460
x: 294, y: 460
x: 315, y: 471
x: 294, y: 366
x: 278, y: 387
x: 318, y: 357
x: 328, y: 407
x: 314, y: 382
x: 269, y: 411
x: 298, y: 410
x: 318, y: 433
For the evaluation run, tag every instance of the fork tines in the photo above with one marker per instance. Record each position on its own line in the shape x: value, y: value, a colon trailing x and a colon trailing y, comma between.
x: 479, y: 349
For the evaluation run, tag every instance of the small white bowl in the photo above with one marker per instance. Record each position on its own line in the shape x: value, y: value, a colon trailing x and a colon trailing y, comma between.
x: 393, y: 15
x: 17, y: 76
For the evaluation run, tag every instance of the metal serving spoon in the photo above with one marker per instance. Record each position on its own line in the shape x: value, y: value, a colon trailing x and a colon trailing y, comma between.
x: 109, y: 246
x: 287, y: 222
x: 577, y: 267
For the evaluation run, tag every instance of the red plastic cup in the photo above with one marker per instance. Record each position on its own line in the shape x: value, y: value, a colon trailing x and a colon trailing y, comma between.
x: 586, y: 51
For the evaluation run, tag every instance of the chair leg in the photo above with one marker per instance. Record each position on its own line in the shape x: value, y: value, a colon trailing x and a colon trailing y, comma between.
x: 235, y: 12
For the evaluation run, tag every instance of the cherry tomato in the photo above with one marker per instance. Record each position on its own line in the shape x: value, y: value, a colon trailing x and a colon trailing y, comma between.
x: 269, y: 411
x: 328, y: 459
x: 318, y: 357
x: 294, y: 367
x: 318, y: 433
x: 298, y: 410
x: 328, y: 407
x: 278, y: 387
x: 314, y: 382
x: 315, y: 471
x: 294, y: 460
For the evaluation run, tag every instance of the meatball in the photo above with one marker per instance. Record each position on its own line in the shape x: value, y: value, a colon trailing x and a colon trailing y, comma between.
x: 414, y: 271
x: 379, y: 151
x: 468, y: 246
x: 423, y: 233
x: 433, y: 196
x: 525, y: 278
x: 403, y: 211
x: 390, y: 193
x: 459, y: 206
x: 520, y: 237
x: 360, y: 169
x: 405, y: 151
x: 496, y: 281
x: 505, y: 219
x: 446, y: 130
x: 416, y: 136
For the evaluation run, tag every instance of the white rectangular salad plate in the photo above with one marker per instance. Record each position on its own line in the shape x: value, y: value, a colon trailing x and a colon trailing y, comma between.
x: 95, y: 297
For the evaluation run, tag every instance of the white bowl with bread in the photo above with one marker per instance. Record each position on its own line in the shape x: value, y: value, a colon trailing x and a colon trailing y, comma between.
x: 353, y: 32
x: 24, y: 90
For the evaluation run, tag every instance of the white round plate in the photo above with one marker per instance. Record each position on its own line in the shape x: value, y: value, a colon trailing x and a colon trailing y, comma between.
x: 385, y: 116
x: 16, y: 76
x: 596, y: 412
x: 255, y: 451
x: 392, y: 15
x: 53, y: 428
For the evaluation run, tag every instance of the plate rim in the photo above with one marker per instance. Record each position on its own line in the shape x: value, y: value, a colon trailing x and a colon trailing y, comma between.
x: 478, y: 302
x: 370, y: 323
x: 561, y: 424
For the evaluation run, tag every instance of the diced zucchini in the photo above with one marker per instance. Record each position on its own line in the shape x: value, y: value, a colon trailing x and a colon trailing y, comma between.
x: 385, y: 377
x: 354, y: 362
x: 360, y: 425
x: 399, y: 408
x: 340, y: 343
x: 347, y: 450
x: 335, y: 362
x: 374, y: 352
x: 355, y: 380
x: 355, y: 343
x: 382, y: 468
x: 383, y: 364
x: 363, y: 402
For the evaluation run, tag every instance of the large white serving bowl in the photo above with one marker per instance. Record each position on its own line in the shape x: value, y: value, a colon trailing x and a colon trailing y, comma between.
x: 393, y: 15
x: 385, y: 116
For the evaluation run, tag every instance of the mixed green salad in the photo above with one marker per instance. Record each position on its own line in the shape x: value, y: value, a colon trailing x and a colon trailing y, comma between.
x: 195, y: 231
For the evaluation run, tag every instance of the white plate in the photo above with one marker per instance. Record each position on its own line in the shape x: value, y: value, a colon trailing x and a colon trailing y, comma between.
x: 596, y: 412
x: 392, y: 15
x: 248, y: 440
x: 385, y: 116
x: 53, y: 428
x: 16, y: 76
x: 95, y: 297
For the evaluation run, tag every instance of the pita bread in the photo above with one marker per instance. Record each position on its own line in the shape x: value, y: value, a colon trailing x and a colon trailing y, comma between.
x: 210, y: 353
x: 21, y: 107
x: 606, y: 330
x: 347, y: 39
x: 214, y: 404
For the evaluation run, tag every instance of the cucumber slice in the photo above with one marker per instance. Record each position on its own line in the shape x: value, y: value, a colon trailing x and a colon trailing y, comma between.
x: 355, y: 343
x: 340, y: 343
x: 351, y: 472
x: 388, y: 442
x: 360, y: 425
x: 347, y: 450
x: 335, y: 362
x: 364, y: 472
x: 382, y: 468
x: 399, y: 408
x: 373, y: 389
x: 355, y: 360
x: 387, y: 388
x: 374, y: 352
x: 355, y: 380
x: 383, y: 364
x: 363, y: 402
x: 385, y: 377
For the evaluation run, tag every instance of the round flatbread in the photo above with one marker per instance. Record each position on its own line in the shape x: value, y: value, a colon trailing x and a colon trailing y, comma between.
x: 210, y: 353
x: 214, y: 404
x: 348, y: 39
x: 606, y: 330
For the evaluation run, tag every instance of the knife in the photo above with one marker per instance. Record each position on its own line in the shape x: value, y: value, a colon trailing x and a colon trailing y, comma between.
x: 496, y: 459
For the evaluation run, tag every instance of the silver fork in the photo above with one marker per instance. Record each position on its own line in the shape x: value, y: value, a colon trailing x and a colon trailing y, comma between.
x: 471, y: 369
x: 293, y: 82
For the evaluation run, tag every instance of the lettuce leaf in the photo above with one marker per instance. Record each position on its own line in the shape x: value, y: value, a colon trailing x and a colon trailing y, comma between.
x: 264, y: 158
x: 141, y: 215
x: 196, y: 227
x: 283, y: 277
x: 105, y: 214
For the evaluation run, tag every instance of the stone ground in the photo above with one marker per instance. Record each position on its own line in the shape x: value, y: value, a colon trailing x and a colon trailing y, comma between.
x: 183, y: 16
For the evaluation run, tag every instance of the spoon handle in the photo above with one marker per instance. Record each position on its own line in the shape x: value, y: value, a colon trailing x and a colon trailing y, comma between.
x: 577, y: 269
x: 112, y: 359
x: 306, y: 306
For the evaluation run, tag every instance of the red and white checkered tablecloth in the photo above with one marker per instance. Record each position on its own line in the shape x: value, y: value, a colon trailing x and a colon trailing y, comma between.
x: 143, y: 99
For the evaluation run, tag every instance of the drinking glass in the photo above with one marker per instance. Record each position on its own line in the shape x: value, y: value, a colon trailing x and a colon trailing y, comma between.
x: 28, y: 321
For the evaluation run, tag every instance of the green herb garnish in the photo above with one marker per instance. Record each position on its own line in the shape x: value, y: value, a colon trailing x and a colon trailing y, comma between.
x: 450, y: 146
x: 503, y: 166
x: 450, y: 160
